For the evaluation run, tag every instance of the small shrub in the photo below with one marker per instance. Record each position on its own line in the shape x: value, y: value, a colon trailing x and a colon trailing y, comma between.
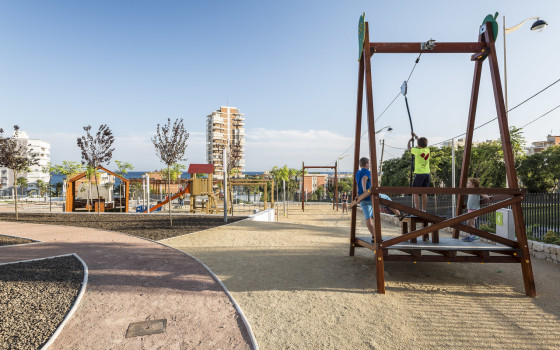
x: 488, y: 228
x: 551, y: 237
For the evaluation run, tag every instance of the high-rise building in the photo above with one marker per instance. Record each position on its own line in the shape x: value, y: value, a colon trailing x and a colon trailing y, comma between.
x: 225, y: 128
x: 42, y: 150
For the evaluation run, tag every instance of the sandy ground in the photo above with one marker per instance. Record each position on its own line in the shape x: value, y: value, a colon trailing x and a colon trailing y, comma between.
x: 300, y: 289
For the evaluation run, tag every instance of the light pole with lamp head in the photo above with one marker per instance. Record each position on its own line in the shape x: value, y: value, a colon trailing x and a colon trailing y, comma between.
x: 538, y: 26
x: 389, y: 129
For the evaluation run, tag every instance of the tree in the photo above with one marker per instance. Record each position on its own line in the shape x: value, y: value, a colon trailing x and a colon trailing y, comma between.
x: 135, y: 188
x: 67, y: 168
x: 170, y: 143
x: 90, y: 171
x: 42, y: 187
x: 123, y: 168
x: 22, y: 183
x: 96, y: 151
x: 58, y: 189
x: 15, y: 155
x: 540, y: 172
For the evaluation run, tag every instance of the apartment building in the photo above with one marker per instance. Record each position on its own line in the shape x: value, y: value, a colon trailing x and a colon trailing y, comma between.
x: 311, y: 182
x: 225, y: 128
x: 39, y: 148
x: 539, y: 146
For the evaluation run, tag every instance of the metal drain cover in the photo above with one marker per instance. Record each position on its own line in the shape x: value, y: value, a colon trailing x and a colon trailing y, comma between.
x: 138, y: 329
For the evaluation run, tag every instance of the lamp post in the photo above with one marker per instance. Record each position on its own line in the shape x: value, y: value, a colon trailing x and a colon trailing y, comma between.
x: 537, y: 26
x: 383, y: 128
x: 389, y: 129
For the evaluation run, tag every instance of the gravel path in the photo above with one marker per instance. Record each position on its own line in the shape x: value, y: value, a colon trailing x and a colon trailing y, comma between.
x: 35, y: 297
x: 153, y: 226
x: 8, y: 240
x: 300, y: 289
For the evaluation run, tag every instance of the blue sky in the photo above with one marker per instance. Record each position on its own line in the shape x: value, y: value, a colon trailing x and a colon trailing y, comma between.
x: 290, y: 66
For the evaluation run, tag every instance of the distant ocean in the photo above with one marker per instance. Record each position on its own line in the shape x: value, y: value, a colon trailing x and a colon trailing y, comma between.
x: 138, y: 174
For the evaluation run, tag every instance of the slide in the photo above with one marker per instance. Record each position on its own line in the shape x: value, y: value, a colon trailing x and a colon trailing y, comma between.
x: 185, y: 191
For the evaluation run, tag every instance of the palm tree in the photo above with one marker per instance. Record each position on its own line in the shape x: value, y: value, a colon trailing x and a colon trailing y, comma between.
x: 22, y: 183
x: 42, y: 187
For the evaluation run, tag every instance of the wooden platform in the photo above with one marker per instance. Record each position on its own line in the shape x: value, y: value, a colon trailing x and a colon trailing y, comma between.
x: 447, y: 250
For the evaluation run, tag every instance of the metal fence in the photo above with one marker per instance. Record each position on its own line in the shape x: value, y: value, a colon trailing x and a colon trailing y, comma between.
x: 541, y: 211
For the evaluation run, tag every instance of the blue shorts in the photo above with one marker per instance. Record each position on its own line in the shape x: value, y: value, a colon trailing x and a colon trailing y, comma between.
x: 367, y: 208
x: 421, y: 180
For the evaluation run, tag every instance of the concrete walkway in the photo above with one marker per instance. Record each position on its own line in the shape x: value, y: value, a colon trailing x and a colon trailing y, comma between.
x: 134, y: 280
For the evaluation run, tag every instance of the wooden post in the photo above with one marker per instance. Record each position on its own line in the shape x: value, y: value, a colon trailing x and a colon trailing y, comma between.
x: 265, y: 194
x: 302, y: 185
x: 511, y: 175
x: 357, y: 138
x: 126, y: 195
x: 379, y: 264
x: 335, y: 184
x: 468, y: 139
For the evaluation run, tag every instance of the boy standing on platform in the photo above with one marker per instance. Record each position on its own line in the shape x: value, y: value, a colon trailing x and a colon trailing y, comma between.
x: 421, y: 168
x: 363, y: 180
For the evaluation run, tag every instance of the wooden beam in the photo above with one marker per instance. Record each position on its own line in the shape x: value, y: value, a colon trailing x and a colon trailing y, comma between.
x: 434, y: 218
x: 449, y: 222
x: 526, y: 267
x: 438, y: 190
x: 379, y: 266
x: 440, y: 47
x: 457, y: 258
x: 468, y: 138
x: 357, y: 138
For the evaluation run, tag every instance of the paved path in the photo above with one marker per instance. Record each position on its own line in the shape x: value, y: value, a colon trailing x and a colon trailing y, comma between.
x: 133, y: 280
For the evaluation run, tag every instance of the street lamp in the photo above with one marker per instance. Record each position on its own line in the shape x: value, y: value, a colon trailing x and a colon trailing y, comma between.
x: 538, y: 26
x: 385, y: 127
x: 389, y: 129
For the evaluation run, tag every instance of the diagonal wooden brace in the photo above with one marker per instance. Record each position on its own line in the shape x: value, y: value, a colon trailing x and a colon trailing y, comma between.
x: 448, y: 222
x: 434, y: 218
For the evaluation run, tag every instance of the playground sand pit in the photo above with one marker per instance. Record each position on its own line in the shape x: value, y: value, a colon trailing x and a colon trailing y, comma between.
x: 152, y: 226
x: 299, y: 289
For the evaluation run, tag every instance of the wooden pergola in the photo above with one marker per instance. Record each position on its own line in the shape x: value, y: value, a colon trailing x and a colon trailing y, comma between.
x: 451, y: 249
x: 71, y: 188
x: 335, y: 167
x: 257, y: 182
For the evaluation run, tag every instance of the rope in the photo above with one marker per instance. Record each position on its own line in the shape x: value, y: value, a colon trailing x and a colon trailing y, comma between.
x: 386, y: 108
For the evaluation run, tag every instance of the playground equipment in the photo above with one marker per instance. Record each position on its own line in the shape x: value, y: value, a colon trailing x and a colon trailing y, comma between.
x: 335, y: 167
x: 71, y: 203
x: 253, y: 183
x: 196, y: 186
x: 447, y: 250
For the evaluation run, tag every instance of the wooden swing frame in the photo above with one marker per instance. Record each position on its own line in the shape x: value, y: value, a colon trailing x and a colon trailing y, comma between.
x: 335, y: 167
x: 506, y: 250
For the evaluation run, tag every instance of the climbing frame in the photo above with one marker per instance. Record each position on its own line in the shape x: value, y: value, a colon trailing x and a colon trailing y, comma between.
x: 447, y: 250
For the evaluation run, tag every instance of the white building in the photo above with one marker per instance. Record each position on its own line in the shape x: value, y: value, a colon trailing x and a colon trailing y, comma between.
x: 42, y: 150
x: 224, y: 127
x: 539, y: 146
